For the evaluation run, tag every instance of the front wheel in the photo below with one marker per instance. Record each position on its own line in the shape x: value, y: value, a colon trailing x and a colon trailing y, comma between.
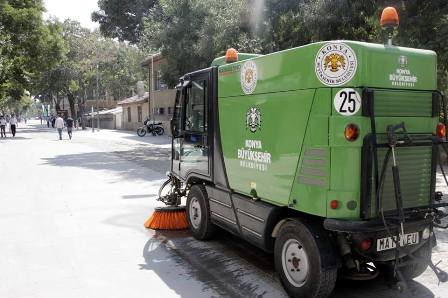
x: 198, y: 214
x: 141, y: 132
x: 299, y: 262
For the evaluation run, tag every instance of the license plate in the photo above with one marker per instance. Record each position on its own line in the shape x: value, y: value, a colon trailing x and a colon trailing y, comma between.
x: 388, y: 243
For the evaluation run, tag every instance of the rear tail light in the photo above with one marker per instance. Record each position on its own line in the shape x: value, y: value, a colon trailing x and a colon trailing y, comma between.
x: 366, y: 244
x: 334, y: 204
x: 351, y: 132
x: 441, y: 130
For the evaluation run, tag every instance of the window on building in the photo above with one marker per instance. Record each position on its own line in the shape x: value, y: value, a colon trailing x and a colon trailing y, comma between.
x: 129, y: 114
x: 159, y: 84
x: 139, y: 114
x: 161, y: 111
x: 170, y: 111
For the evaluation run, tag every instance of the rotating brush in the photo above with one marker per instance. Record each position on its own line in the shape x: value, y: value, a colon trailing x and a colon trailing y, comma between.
x: 168, y: 218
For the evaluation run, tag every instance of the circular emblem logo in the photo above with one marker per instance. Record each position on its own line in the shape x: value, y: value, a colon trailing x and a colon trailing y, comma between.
x: 336, y: 64
x: 249, y: 77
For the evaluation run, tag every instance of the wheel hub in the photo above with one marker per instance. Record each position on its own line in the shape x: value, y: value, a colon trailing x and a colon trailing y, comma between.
x: 295, y: 262
x: 195, y: 213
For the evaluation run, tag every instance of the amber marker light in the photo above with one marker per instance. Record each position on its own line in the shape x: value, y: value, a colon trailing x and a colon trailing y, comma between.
x: 389, y: 17
x: 351, y: 132
x: 231, y: 55
x: 441, y: 130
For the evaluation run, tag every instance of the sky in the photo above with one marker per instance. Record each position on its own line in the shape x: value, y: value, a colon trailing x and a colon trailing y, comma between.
x: 79, y: 10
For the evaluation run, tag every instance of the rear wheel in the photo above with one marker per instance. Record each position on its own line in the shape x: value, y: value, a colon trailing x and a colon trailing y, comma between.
x: 159, y: 130
x: 299, y: 262
x: 413, y: 269
x: 198, y: 213
x: 141, y: 132
x: 416, y: 269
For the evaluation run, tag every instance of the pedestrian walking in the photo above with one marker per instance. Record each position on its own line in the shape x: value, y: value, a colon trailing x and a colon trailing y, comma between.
x: 69, y: 123
x: 13, y: 125
x: 59, y: 124
x: 2, y: 126
x: 53, y: 120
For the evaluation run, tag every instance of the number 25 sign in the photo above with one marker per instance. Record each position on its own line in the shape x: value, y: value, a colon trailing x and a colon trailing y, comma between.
x: 347, y: 102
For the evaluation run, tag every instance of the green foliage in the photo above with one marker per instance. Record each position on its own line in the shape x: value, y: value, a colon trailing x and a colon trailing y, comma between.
x: 190, y: 33
x: 122, y: 19
x: 92, y: 67
x: 27, y: 46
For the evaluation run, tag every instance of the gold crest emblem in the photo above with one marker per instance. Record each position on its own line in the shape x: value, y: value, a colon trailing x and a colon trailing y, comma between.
x: 334, y: 62
x: 249, y: 75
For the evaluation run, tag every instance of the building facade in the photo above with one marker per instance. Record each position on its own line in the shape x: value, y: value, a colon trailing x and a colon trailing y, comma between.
x: 135, y: 110
x: 162, y: 104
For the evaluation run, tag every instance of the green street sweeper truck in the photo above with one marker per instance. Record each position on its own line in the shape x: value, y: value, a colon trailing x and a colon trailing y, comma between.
x: 324, y: 155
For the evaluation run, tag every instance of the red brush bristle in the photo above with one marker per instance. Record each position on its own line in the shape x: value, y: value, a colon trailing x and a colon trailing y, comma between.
x: 167, y: 219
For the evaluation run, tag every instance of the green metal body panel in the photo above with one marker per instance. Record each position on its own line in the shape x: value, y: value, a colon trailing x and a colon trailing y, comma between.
x: 296, y: 154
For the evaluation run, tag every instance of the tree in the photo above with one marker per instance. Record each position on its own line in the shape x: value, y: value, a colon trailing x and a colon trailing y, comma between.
x: 191, y: 33
x: 92, y: 67
x: 25, y: 43
x: 122, y: 19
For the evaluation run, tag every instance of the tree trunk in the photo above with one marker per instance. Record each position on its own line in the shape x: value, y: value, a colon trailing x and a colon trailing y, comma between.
x: 71, y: 102
x: 82, y: 105
x: 57, y: 104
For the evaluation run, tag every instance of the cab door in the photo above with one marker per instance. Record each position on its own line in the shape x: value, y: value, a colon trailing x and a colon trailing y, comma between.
x: 176, y: 128
x: 191, y: 146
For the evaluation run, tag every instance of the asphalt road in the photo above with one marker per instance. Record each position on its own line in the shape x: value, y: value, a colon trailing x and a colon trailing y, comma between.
x: 71, y: 215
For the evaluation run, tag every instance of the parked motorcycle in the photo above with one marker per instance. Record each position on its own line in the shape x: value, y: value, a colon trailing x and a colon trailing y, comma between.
x: 150, y: 127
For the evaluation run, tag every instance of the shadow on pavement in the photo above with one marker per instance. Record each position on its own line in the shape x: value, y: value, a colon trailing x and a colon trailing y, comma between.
x: 10, y: 138
x: 104, y: 162
x: 155, y: 158
x: 378, y: 288
x: 175, y: 255
x: 37, y: 130
x: 138, y: 196
x: 156, y: 140
x: 234, y: 268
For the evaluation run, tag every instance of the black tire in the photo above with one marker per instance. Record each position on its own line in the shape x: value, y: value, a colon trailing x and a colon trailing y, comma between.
x: 198, y: 214
x: 414, y: 270
x: 159, y: 130
x: 141, y: 132
x: 296, y: 251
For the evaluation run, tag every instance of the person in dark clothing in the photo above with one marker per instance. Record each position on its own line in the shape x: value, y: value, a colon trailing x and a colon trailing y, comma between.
x: 69, y: 123
x: 53, y: 120
x: 13, y: 125
x: 2, y: 126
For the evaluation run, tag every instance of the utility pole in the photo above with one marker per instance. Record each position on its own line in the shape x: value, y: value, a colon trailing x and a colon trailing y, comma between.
x: 152, y: 99
x: 97, y: 99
